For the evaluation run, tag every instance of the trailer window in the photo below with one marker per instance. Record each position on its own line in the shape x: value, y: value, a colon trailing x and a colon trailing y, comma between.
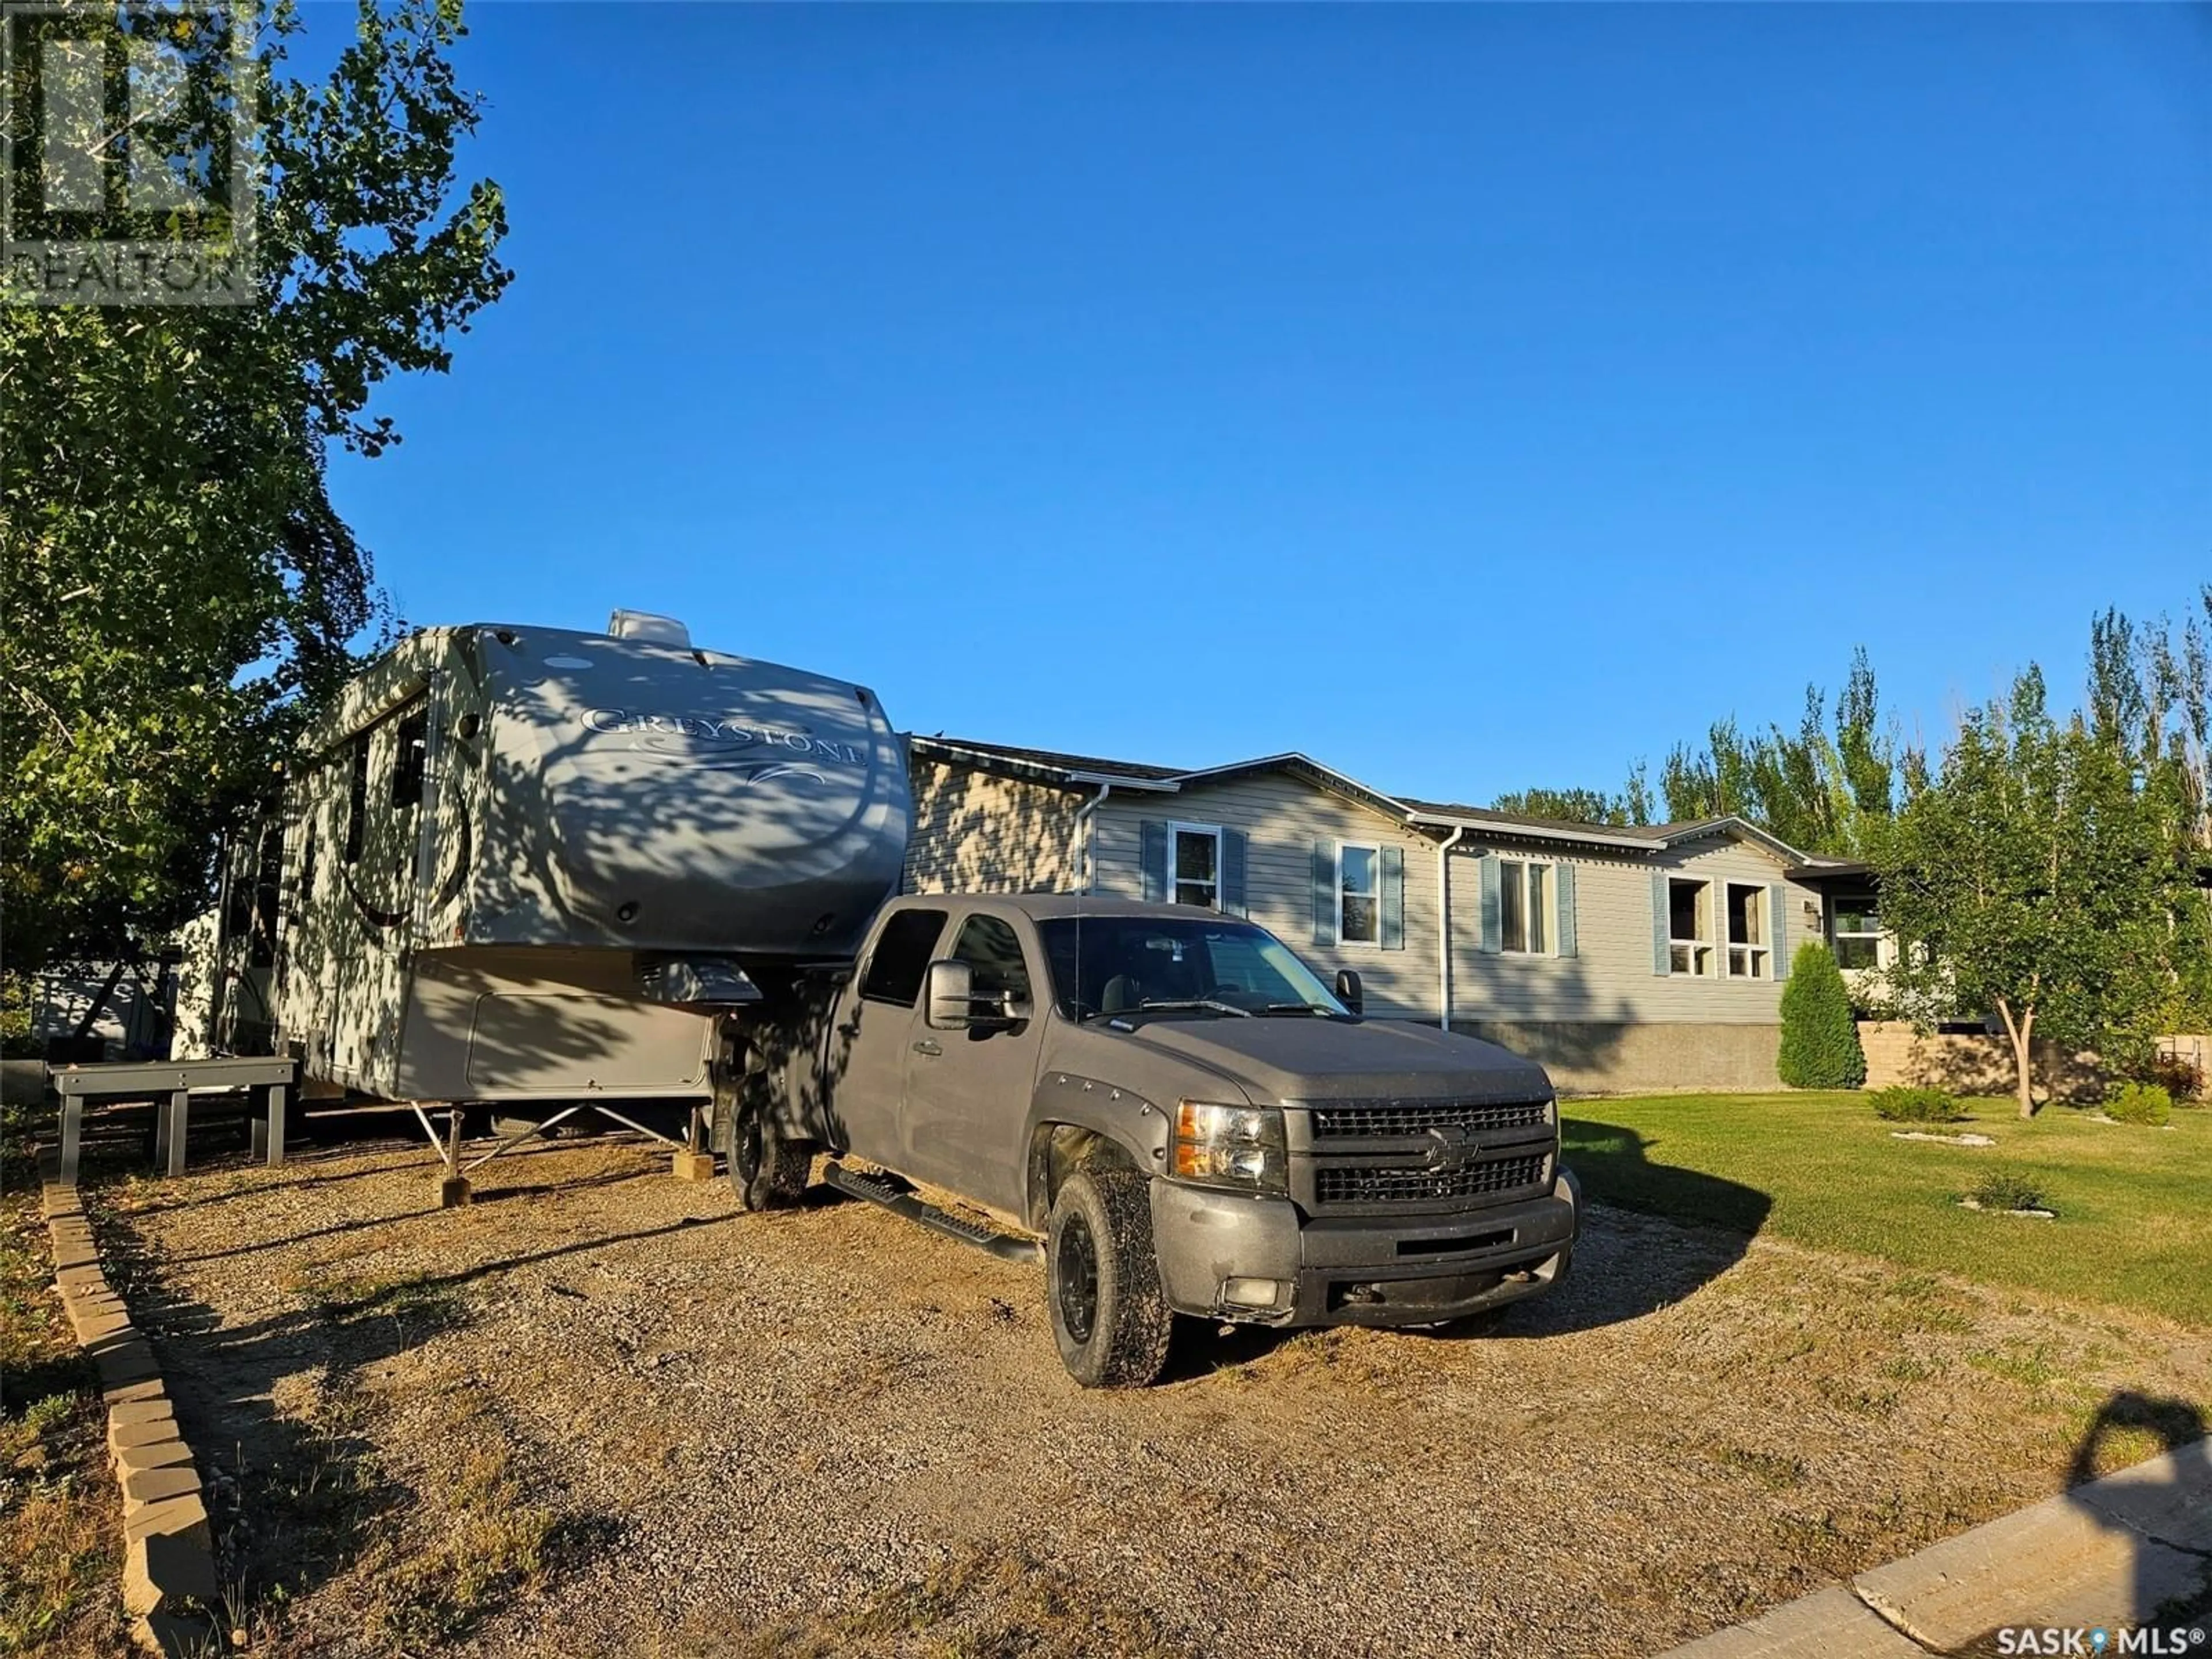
x: 357, y: 801
x: 409, y: 759
x: 902, y: 957
x: 267, y: 878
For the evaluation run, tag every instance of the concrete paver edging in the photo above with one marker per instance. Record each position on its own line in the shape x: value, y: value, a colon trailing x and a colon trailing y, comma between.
x: 2110, y: 1552
x: 168, y: 1556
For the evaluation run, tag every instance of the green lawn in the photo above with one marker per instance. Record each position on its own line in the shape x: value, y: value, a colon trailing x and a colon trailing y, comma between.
x: 2135, y: 1204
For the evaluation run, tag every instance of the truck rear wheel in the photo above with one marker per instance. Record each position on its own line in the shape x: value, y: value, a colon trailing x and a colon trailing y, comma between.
x: 1109, y: 1318
x: 767, y: 1168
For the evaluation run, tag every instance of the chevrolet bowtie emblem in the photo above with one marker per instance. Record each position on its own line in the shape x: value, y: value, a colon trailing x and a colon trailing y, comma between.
x: 1451, y: 1148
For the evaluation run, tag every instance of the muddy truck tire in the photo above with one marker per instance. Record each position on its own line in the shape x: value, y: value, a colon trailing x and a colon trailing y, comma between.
x: 1109, y: 1318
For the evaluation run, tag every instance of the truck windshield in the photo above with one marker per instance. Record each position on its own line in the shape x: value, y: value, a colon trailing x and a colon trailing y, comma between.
x: 1206, y: 965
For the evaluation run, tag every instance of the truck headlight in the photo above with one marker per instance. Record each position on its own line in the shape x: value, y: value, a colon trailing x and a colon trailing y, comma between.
x: 1219, y: 1145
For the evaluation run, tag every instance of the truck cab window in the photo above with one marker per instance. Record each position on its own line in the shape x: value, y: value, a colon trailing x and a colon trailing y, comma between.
x: 989, y: 946
x: 902, y: 957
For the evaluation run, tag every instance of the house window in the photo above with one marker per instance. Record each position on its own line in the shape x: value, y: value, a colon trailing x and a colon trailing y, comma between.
x: 1690, y: 927
x: 1524, y: 906
x: 1855, y: 930
x: 1194, y: 865
x: 1359, y: 893
x: 1748, y: 947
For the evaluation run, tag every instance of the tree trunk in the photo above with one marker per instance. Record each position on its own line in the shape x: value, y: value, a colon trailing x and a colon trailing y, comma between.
x: 2019, y: 1031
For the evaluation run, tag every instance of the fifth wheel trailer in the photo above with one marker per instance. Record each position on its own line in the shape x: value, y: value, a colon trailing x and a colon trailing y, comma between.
x: 523, y: 864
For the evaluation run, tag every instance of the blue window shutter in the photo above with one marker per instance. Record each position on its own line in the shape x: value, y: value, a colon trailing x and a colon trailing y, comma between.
x: 1777, y: 937
x: 1563, y: 890
x: 1662, y: 961
x: 1155, y: 861
x: 1324, y: 892
x: 1232, y: 872
x: 1394, y: 899
x: 1487, y: 878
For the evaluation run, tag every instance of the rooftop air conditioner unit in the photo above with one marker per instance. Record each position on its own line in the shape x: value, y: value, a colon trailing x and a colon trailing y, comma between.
x: 644, y: 625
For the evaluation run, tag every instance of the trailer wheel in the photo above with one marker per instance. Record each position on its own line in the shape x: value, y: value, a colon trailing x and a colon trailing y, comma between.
x: 767, y: 1168
x: 1109, y: 1318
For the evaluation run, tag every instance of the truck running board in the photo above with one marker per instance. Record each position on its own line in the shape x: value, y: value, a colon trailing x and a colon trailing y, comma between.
x: 901, y: 1200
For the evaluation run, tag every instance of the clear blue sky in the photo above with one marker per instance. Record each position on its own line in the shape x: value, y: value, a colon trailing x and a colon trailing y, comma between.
x: 1469, y: 396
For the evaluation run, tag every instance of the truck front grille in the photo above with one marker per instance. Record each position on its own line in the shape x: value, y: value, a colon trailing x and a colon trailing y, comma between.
x: 1361, y: 1119
x: 1340, y: 1183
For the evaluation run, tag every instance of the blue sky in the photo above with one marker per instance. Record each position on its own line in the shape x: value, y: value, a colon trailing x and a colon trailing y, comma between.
x: 1468, y: 397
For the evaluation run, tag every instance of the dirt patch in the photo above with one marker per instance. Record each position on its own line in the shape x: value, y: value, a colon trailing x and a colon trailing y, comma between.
x: 614, y: 1417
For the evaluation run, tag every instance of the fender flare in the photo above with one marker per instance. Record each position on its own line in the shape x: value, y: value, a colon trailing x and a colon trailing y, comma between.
x: 1074, y: 1119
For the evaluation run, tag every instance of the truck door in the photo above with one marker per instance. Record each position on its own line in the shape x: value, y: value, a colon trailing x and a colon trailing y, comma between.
x: 870, y: 1042
x: 967, y: 1092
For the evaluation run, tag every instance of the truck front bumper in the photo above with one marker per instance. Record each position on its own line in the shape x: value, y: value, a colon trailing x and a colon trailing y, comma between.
x: 1218, y: 1249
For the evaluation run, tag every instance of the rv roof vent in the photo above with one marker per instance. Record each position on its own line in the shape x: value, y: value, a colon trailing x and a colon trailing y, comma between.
x: 644, y: 625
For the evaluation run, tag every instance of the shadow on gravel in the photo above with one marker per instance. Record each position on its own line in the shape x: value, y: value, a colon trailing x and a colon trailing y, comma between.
x: 1623, y: 1268
x: 298, y: 1496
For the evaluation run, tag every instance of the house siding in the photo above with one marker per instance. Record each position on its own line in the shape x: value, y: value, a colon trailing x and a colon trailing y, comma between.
x: 1611, y: 977
x: 1282, y: 817
x: 976, y: 832
x: 1604, y: 1019
x: 1599, y: 1020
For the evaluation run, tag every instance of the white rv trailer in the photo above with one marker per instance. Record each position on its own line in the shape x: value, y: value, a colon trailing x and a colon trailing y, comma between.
x: 526, y: 865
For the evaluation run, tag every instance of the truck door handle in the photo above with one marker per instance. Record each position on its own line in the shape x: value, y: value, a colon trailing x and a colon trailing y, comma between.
x: 926, y: 1046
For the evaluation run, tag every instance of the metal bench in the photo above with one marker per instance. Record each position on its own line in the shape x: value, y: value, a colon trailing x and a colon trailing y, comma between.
x: 171, y: 1085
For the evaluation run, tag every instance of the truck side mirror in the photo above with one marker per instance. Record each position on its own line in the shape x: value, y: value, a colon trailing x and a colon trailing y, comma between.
x: 949, y: 996
x: 1348, y: 992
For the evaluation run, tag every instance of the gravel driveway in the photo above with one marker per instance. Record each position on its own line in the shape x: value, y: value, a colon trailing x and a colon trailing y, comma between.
x: 602, y: 1412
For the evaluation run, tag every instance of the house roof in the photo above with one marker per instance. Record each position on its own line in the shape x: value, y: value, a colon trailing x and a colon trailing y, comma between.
x: 1071, y: 766
x: 1055, y: 766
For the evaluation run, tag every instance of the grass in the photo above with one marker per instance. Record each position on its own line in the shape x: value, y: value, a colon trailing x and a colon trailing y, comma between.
x: 2133, y: 1229
x: 433, y: 1565
x: 60, y: 1519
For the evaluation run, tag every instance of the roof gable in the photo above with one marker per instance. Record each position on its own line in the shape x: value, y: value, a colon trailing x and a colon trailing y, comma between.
x: 1063, y: 770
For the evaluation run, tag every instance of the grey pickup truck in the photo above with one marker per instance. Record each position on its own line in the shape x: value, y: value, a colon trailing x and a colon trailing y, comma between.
x: 1194, y: 1123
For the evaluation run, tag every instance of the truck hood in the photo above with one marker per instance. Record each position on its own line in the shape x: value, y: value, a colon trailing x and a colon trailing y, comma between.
x: 1279, y: 1059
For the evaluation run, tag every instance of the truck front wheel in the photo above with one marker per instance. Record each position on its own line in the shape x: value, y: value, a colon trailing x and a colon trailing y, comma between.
x: 1110, y: 1319
x: 768, y: 1170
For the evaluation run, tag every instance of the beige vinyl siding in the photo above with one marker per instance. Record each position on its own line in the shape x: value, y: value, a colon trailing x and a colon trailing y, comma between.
x: 976, y: 832
x: 1610, y: 978
x: 1282, y: 818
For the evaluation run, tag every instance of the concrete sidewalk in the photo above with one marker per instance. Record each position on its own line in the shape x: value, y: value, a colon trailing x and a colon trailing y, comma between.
x: 2109, y: 1554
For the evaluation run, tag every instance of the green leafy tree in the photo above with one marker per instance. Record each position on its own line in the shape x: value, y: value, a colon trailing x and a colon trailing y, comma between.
x: 2033, y: 875
x: 1824, y: 788
x: 1819, y: 1038
x: 1631, y: 805
x: 180, y: 591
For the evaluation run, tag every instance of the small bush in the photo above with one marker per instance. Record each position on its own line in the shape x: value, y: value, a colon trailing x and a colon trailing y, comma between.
x: 2183, y: 1078
x: 1819, y: 1039
x: 1904, y: 1105
x: 2140, y: 1103
x: 2007, y: 1189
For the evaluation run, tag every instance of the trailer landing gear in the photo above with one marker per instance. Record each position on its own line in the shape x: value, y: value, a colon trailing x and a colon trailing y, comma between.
x: 692, y: 1161
x: 453, y: 1187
